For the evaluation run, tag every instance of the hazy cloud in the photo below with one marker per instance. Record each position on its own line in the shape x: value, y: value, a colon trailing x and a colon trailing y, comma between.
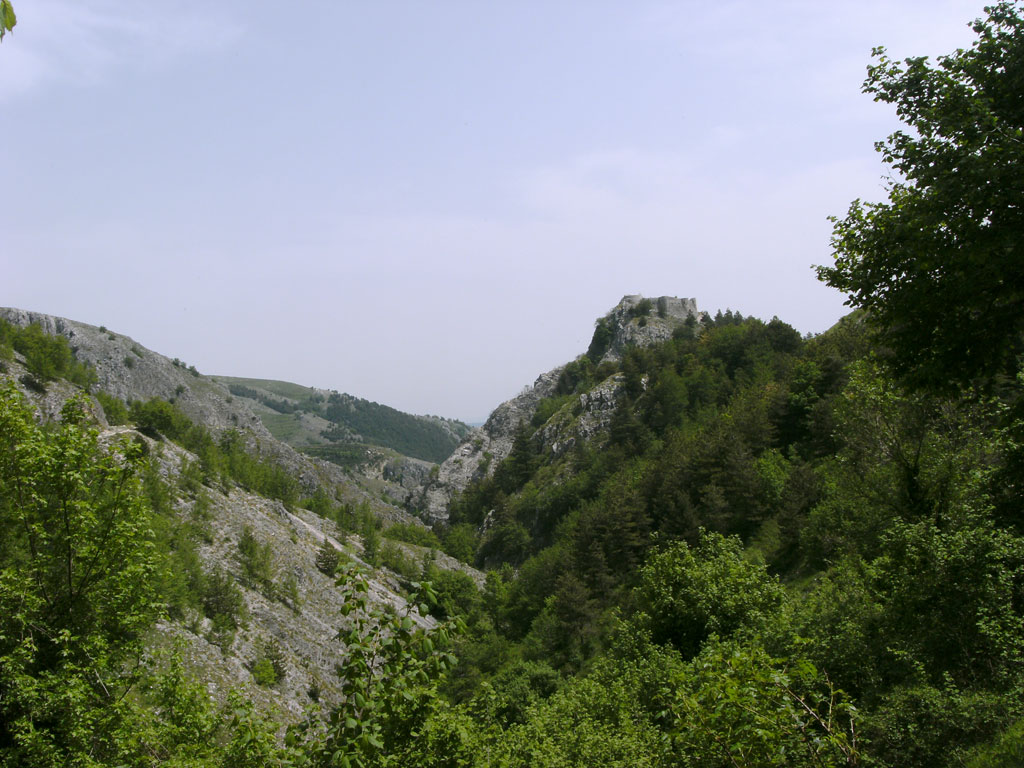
x: 85, y: 41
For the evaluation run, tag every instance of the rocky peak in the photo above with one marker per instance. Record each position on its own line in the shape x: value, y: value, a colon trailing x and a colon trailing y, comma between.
x: 637, y: 321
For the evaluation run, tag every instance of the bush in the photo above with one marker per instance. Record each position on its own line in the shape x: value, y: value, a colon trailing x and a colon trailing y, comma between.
x: 46, y: 357
x: 641, y: 309
x: 460, y: 541
x: 224, y: 605
x: 688, y: 594
x: 327, y: 558
x: 114, y: 408
x: 257, y: 562
x: 411, y: 533
x: 263, y: 673
x: 269, y: 669
x: 393, y: 557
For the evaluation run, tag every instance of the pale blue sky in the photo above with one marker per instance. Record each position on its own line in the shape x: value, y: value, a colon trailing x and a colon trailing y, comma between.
x: 428, y: 204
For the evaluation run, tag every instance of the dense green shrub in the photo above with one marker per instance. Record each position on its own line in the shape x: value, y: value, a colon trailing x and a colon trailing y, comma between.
x: 114, y: 408
x: 46, y: 357
x: 327, y: 558
x: 411, y: 533
x: 77, y: 582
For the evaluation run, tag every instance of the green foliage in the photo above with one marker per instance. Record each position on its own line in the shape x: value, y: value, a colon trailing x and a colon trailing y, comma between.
x: 925, y: 726
x: 389, y: 674
x: 548, y: 407
x: 594, y: 721
x: 188, y: 725
x: 371, y: 540
x: 224, y: 605
x: 257, y: 561
x: 76, y: 582
x: 382, y: 425
x: 456, y: 593
x: 114, y: 409
x: 226, y: 458
x: 941, y: 258
x: 268, y: 669
x: 1007, y: 751
x: 263, y: 672
x: 601, y: 340
x: 158, y: 418
x: 574, y: 377
x: 327, y: 558
x: 641, y: 309
x: 411, y: 533
x: 7, y: 17
x: 395, y: 559
x: 736, y: 705
x: 690, y: 594
x: 460, y: 541
x: 901, y: 454
x: 320, y: 503
x: 46, y: 357
x: 521, y: 462
x: 347, y: 455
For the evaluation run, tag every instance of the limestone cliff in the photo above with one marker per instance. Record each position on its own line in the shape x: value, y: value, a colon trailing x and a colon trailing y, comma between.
x: 483, y: 448
x: 637, y: 321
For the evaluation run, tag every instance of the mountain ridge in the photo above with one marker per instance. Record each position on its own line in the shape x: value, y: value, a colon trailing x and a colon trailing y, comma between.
x: 635, y: 321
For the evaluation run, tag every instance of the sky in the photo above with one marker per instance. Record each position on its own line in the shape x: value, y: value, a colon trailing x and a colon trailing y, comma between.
x: 429, y: 204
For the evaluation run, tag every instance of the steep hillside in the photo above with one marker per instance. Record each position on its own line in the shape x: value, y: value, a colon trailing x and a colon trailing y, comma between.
x: 733, y: 536
x: 241, y: 521
x: 130, y: 372
x: 635, y: 322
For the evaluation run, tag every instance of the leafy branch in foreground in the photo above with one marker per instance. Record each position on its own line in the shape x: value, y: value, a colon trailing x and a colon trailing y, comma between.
x: 939, y: 265
x: 7, y: 18
x: 77, y: 585
x: 390, y: 673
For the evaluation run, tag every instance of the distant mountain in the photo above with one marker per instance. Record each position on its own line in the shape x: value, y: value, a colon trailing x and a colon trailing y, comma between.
x: 336, y: 426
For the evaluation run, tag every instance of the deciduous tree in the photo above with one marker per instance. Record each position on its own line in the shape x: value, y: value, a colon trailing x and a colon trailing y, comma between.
x: 939, y: 266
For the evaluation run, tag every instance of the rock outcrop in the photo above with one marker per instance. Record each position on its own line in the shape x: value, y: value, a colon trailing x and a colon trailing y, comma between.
x: 126, y: 369
x: 483, y: 448
x: 641, y: 322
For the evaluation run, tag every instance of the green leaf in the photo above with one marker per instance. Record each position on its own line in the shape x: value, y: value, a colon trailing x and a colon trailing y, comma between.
x: 7, y: 18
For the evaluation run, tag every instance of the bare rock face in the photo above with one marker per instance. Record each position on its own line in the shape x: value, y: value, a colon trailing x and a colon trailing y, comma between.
x: 584, y: 420
x: 484, y: 448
